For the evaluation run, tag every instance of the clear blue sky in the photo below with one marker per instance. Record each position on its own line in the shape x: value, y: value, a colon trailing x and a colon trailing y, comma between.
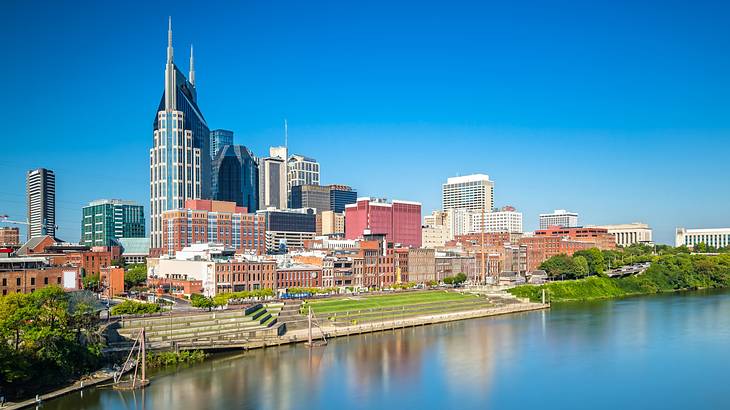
x: 617, y: 110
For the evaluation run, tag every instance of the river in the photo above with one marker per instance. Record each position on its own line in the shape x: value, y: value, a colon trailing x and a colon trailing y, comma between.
x: 656, y: 352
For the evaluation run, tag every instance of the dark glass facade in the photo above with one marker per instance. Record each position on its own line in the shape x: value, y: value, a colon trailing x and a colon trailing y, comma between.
x: 291, y: 221
x: 236, y: 177
x: 218, y: 140
x: 341, y: 196
x: 186, y: 102
x: 310, y: 196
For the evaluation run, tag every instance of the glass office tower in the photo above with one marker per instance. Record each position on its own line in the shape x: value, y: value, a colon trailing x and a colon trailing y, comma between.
x: 236, y: 177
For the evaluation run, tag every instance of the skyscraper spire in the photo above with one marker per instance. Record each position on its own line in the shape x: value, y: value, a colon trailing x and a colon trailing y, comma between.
x: 191, y: 75
x: 170, y: 86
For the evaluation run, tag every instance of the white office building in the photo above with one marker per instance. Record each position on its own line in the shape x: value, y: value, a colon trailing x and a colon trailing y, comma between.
x: 273, y: 179
x: 715, y: 237
x: 473, y: 192
x: 41, y: 197
x: 629, y: 234
x: 505, y: 220
x: 559, y: 217
x: 302, y: 171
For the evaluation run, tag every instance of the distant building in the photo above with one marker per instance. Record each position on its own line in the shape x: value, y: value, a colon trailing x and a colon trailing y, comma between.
x: 341, y: 196
x: 302, y: 171
x: 421, y: 265
x: 134, y: 250
x: 599, y: 237
x: 715, y: 237
x: 628, y: 234
x: 218, y: 140
x: 105, y: 220
x: 217, y: 222
x: 273, y: 179
x: 542, y: 248
x: 399, y: 221
x: 9, y: 236
x: 41, y: 194
x: 506, y: 219
x: 288, y: 229
x: 236, y: 177
x: 310, y: 196
x: 559, y: 217
x: 333, y: 223
x: 473, y: 192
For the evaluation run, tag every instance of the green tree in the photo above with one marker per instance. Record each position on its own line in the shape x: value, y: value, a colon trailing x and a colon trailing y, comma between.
x: 596, y: 262
x: 449, y: 280
x: 91, y: 282
x: 459, y: 278
x: 135, y: 276
x: 203, y: 302
x: 558, y: 265
x: 131, y: 307
x: 580, y: 266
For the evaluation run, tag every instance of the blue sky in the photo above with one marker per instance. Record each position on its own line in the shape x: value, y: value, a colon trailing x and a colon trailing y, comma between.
x: 617, y: 110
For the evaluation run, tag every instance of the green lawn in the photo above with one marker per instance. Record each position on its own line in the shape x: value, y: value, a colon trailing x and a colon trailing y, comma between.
x: 355, y: 303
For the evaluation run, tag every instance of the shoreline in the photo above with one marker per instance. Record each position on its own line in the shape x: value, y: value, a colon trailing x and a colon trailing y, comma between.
x: 300, y: 336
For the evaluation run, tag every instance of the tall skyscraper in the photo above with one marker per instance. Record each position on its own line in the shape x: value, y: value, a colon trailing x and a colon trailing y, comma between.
x: 41, y: 193
x: 236, y: 177
x: 218, y: 140
x: 559, y: 217
x: 473, y: 192
x: 180, y: 154
x: 106, y: 220
x: 272, y: 179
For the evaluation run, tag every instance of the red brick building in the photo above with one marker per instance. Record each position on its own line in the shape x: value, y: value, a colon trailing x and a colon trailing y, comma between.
x: 111, y: 281
x: 598, y: 236
x: 9, y: 236
x: 30, y: 280
x: 399, y: 221
x: 237, y: 276
x: 299, y: 276
x: 205, y: 221
x: 541, y: 248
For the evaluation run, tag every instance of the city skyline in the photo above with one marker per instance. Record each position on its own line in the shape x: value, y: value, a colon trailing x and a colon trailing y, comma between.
x: 616, y: 166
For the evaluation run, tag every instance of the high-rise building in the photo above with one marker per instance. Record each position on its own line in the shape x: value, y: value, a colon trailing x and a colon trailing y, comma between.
x: 399, y: 221
x: 41, y: 194
x: 473, y: 192
x: 302, y: 171
x: 218, y: 140
x: 106, y: 220
x: 333, y: 223
x: 180, y: 154
x: 310, y: 196
x: 236, y: 177
x: 340, y: 196
x: 217, y: 222
x: 272, y: 179
x: 559, y: 217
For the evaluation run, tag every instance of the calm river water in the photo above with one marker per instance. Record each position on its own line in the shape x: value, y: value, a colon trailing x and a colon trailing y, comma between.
x: 656, y: 352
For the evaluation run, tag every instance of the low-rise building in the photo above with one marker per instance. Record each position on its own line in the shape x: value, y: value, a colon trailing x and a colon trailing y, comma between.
x: 9, y: 236
x: 628, y: 234
x: 288, y: 229
x: 715, y: 237
x: 111, y: 281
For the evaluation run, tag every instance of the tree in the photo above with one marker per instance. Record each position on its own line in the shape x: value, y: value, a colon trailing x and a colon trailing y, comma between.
x: 580, y: 266
x: 596, y: 262
x: 449, y: 280
x: 131, y: 307
x: 558, y: 265
x: 459, y: 278
x: 135, y: 276
x: 91, y: 282
x: 203, y: 302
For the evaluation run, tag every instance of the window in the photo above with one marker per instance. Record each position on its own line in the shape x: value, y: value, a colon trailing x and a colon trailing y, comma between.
x: 17, y: 281
x: 32, y: 282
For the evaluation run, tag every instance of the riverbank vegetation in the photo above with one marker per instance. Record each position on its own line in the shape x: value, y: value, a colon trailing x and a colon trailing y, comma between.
x: 670, y: 271
x: 131, y: 307
x: 163, y: 359
x: 48, y: 337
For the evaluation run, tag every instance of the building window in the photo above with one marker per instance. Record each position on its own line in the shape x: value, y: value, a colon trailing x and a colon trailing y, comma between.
x: 17, y: 281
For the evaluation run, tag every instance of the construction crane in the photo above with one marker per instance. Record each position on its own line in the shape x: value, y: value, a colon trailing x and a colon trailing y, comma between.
x: 6, y: 219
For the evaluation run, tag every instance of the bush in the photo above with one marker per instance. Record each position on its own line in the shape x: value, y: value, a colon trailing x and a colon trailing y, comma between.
x: 174, y: 358
x: 131, y: 307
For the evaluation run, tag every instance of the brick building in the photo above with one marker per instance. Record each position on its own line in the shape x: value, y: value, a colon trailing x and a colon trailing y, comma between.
x: 541, y: 248
x: 9, y: 236
x: 399, y: 221
x: 206, y: 221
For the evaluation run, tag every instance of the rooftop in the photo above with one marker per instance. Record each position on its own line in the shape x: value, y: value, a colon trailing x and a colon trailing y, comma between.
x: 467, y: 178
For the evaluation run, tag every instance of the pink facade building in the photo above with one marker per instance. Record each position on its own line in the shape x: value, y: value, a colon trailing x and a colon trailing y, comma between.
x: 399, y: 221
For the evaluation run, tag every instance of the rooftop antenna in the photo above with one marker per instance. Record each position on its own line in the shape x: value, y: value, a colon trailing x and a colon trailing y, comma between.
x: 286, y: 135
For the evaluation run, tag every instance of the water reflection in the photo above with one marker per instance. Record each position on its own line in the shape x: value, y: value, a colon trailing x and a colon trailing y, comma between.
x: 611, y: 354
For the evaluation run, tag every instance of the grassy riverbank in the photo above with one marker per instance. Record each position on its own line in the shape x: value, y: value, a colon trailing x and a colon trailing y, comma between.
x: 668, y: 273
x: 354, y: 303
